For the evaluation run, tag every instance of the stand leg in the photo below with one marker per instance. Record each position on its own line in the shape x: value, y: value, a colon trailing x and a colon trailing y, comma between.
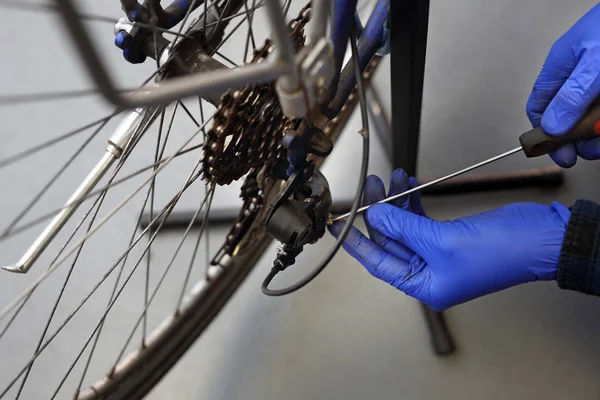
x: 409, y: 23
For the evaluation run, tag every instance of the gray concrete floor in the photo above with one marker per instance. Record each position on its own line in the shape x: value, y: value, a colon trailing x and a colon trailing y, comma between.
x: 346, y: 335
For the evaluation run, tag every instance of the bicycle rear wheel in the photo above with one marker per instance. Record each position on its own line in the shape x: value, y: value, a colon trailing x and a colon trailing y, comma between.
x: 152, y: 345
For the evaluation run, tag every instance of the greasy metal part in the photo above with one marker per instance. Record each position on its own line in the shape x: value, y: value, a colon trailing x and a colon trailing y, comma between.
x: 249, y: 123
x: 238, y: 242
x: 298, y: 215
x: 434, y: 182
x: 192, y: 85
x: 192, y: 59
x: 239, y: 219
x: 135, y: 120
x: 364, y: 133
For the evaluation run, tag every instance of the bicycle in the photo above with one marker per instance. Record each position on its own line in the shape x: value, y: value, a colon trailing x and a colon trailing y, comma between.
x: 275, y: 120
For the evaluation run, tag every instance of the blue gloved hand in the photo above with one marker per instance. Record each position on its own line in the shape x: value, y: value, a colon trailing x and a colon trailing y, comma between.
x: 567, y: 85
x: 447, y: 263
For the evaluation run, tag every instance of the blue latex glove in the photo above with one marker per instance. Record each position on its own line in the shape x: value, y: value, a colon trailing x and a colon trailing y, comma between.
x: 447, y: 263
x: 567, y: 85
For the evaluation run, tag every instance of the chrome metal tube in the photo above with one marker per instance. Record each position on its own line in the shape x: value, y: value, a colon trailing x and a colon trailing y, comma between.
x: 52, y: 229
x: 135, y: 120
x: 318, y: 24
x: 284, y: 48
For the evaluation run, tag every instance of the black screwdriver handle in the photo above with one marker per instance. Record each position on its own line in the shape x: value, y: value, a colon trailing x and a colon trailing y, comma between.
x: 536, y: 142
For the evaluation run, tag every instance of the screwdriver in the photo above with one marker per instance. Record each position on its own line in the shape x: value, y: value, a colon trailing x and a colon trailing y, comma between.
x: 534, y: 143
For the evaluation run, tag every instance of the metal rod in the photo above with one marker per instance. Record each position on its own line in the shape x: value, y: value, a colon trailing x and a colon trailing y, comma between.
x: 117, y: 143
x: 284, y: 48
x: 318, y: 25
x: 203, y: 85
x: 434, y: 182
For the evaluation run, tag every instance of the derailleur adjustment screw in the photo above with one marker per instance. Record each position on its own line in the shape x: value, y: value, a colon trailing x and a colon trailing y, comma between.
x: 329, y: 220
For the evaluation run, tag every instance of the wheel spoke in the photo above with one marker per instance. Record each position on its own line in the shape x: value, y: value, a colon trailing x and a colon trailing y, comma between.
x: 165, y: 211
x: 62, y: 249
x: 187, y: 111
x: 53, y: 267
x: 52, y: 213
x: 124, y: 261
x: 227, y: 59
x: 201, y: 115
x: 240, y: 23
x: 250, y: 35
x: 220, y: 18
x: 207, y: 199
x: 158, y: 153
x: 208, y: 192
x: 15, y: 99
x: 42, y: 146
x: 184, y: 20
x: 49, y: 8
x: 61, y: 292
x: 239, y: 14
x: 49, y: 184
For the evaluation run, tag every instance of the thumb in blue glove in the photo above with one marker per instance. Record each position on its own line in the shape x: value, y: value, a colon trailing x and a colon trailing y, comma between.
x: 447, y: 263
x: 567, y: 85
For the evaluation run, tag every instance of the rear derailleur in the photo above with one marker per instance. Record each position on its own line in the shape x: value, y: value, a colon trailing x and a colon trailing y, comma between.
x: 298, y: 214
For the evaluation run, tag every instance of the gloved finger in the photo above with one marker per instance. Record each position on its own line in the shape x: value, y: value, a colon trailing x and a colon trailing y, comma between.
x: 374, y: 192
x: 575, y: 96
x: 377, y: 261
x: 588, y: 149
x: 415, y: 198
x: 416, y: 232
x: 556, y: 70
x: 565, y: 156
x: 545, y: 88
x: 400, y: 183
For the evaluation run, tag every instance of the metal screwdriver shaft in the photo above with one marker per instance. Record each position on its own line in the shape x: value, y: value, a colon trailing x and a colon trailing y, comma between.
x: 434, y: 182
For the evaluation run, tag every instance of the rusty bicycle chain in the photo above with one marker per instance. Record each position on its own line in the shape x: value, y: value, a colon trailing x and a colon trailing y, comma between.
x: 246, y: 138
x: 249, y: 123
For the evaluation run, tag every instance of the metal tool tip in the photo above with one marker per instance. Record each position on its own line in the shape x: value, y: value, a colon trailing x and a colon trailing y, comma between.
x: 15, y: 268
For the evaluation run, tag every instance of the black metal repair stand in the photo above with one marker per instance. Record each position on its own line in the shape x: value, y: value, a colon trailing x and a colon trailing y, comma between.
x: 409, y: 25
x: 409, y: 21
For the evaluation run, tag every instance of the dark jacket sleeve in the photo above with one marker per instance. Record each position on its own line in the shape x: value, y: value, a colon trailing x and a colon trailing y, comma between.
x: 579, y: 263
